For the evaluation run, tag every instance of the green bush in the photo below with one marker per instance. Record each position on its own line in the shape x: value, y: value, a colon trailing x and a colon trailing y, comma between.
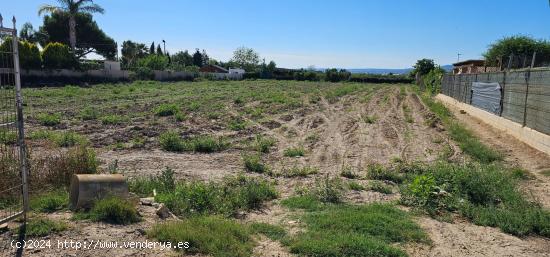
x: 58, y: 56
x: 114, y: 210
x: 29, y: 54
x: 49, y: 119
x: 334, y: 75
x: 142, y: 73
x: 212, y: 236
x: 154, y: 62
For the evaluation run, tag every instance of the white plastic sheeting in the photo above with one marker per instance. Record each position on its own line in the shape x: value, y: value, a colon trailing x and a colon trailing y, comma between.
x: 487, y: 96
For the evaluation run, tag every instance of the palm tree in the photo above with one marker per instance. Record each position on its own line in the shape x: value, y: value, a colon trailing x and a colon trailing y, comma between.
x: 72, y: 8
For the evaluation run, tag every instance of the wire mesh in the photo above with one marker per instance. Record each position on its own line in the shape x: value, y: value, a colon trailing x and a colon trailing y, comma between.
x: 11, y: 181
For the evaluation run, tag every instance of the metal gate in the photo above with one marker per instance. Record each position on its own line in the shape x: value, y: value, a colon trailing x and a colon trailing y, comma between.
x: 13, y: 161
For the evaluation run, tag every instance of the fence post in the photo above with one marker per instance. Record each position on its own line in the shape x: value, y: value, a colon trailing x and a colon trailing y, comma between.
x: 527, y: 78
x: 20, y: 123
x: 502, y: 91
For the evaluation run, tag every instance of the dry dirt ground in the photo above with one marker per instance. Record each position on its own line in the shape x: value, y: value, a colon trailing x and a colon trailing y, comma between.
x: 334, y: 135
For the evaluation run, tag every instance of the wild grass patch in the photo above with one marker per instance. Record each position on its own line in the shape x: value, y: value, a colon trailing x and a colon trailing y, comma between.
x: 60, y: 138
x: 355, y: 186
x: 346, y: 230
x: 263, y: 144
x: 227, y: 197
x: 379, y: 172
x: 49, y: 202
x: 114, y: 119
x: 254, y: 163
x: 112, y: 210
x: 171, y: 141
x: 273, y: 232
x: 89, y: 113
x: 207, y: 235
x: 298, y: 171
x: 294, y: 151
x: 40, y: 227
x: 381, y: 187
x: 487, y: 194
x: 166, y: 110
x: 48, y: 119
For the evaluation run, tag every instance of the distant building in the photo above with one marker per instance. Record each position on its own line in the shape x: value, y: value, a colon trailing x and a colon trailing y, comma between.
x: 472, y: 66
x: 213, y: 69
x: 236, y: 71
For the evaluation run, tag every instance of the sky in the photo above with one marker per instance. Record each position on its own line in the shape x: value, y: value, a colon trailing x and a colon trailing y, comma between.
x: 322, y: 33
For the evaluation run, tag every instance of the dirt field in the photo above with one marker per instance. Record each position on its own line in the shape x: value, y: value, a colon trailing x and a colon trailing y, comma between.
x: 339, y: 126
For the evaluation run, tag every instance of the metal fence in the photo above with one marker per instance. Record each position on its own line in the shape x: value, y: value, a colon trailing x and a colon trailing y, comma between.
x: 13, y: 162
x: 525, y: 94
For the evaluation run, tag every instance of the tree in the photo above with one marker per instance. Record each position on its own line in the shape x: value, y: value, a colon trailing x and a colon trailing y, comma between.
x: 271, y: 66
x: 57, y: 56
x: 153, y: 62
x: 518, y: 46
x: 28, y: 33
x: 152, y: 48
x: 72, y: 8
x: 197, y: 58
x: 182, y: 58
x: 159, y: 50
x: 423, y: 66
x: 91, y: 39
x: 131, y: 52
x: 246, y: 58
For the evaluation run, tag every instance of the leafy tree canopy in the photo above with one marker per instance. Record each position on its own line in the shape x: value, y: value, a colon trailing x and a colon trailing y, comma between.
x: 91, y: 39
x: 132, y: 51
x: 423, y: 66
x: 518, y: 46
x: 246, y: 58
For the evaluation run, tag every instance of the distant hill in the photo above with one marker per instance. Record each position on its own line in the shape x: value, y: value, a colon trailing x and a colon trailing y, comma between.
x: 447, y: 67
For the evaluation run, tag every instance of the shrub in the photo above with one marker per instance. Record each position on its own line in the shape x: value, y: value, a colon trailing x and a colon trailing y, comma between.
x: 206, y: 144
x: 57, y: 56
x: 166, y: 110
x: 39, y: 227
x: 57, y: 169
x: 29, y: 54
x: 153, y: 62
x: 328, y: 190
x: 50, y: 202
x: 297, y: 171
x: 68, y: 138
x: 213, y: 236
x: 49, y: 119
x: 253, y: 163
x: 114, y: 210
x: 142, y: 73
x: 294, y: 152
x: 334, y: 75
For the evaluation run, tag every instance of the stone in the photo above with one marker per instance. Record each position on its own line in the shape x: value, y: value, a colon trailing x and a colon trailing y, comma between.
x: 163, y: 212
x: 147, y: 201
